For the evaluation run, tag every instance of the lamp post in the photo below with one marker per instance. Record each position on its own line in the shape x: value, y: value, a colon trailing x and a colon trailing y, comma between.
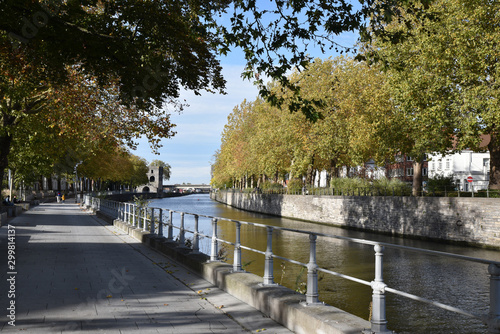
x: 76, y: 180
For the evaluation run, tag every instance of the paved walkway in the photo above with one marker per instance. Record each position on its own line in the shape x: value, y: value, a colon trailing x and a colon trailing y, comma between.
x: 74, y: 273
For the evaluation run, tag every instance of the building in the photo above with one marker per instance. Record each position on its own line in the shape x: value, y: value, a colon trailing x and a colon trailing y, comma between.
x: 402, y: 168
x: 464, y: 165
x: 461, y: 166
x: 155, y: 184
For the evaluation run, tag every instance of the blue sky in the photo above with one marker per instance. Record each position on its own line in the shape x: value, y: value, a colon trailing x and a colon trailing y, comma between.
x: 190, y: 152
x: 199, y: 127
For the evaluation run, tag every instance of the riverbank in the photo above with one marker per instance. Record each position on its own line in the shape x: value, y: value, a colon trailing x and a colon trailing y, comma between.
x: 471, y: 221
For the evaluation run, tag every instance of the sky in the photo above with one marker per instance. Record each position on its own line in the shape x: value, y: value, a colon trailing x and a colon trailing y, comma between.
x: 191, y: 151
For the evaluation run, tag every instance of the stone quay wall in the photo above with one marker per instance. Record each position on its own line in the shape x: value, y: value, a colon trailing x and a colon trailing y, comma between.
x: 473, y: 221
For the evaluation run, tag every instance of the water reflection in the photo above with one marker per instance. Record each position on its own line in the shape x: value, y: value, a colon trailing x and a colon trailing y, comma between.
x: 461, y: 284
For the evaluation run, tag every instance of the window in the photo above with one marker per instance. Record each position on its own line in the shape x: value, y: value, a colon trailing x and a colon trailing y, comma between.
x: 440, y: 165
x: 448, y: 164
x: 486, y: 162
x: 424, y: 171
x: 409, y: 171
x: 408, y: 158
x: 399, y: 158
x: 396, y: 172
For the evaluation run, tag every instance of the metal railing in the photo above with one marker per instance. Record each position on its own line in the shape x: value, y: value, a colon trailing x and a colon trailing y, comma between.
x: 152, y: 220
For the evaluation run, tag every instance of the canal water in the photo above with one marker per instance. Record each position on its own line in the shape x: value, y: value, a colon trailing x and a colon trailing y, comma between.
x: 450, y: 281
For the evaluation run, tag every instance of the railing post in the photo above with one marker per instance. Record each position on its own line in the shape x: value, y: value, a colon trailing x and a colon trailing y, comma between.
x: 312, y: 296
x: 138, y: 210
x: 127, y: 213
x: 214, y: 249
x: 182, y: 238
x: 145, y: 219
x: 170, y: 230
x: 160, y: 224
x: 494, y: 314
x: 121, y: 207
x: 152, y: 226
x: 379, y: 322
x: 196, y: 238
x: 237, y: 249
x: 133, y: 215
x: 268, y: 266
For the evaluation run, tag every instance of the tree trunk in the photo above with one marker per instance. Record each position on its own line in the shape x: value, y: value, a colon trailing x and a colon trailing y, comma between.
x: 494, y: 148
x: 417, y: 177
x: 329, y: 174
x: 5, y: 143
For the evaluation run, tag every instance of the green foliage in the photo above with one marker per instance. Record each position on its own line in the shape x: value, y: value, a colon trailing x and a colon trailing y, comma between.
x: 348, y: 184
x: 379, y: 187
x: 391, y: 186
x: 138, y: 175
x: 271, y: 186
x: 300, y: 285
x: 295, y: 186
x: 261, y: 139
x: 140, y: 201
x: 443, y: 65
x: 440, y: 184
x: 491, y: 193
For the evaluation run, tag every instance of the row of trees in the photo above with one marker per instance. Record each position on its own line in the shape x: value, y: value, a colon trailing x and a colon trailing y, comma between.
x: 265, y: 141
x: 428, y: 83
x: 84, y: 79
x: 79, y: 81
x: 261, y: 140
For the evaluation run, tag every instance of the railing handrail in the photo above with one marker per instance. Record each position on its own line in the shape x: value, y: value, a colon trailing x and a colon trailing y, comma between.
x: 379, y: 287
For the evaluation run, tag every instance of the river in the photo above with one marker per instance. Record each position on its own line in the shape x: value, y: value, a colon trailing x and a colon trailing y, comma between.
x: 455, y: 282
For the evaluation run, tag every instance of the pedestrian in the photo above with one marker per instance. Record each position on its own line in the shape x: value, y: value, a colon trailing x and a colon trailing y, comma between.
x: 58, y: 197
x: 63, y: 197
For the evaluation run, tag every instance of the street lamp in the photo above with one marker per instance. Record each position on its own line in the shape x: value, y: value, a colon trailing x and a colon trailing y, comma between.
x: 76, y: 179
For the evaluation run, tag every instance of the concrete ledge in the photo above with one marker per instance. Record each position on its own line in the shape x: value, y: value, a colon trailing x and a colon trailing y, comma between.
x: 24, y: 206
x: 3, y: 219
x: 132, y: 231
x: 104, y: 217
x: 279, y: 303
x: 12, y: 210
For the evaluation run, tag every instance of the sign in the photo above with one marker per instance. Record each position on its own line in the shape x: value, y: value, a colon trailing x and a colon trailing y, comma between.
x: 469, y: 179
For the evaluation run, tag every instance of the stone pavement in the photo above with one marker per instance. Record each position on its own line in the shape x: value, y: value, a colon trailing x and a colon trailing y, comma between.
x: 74, y: 273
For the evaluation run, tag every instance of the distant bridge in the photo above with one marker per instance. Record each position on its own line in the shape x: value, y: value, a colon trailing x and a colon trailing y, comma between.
x: 200, y: 188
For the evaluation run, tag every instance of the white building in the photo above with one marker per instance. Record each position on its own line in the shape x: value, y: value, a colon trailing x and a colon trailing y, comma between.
x: 462, y: 165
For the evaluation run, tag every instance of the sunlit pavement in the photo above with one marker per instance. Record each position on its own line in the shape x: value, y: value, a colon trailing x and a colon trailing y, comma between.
x: 68, y: 271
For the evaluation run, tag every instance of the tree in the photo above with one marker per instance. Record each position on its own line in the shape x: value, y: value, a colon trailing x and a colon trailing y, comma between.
x: 78, y: 121
x: 443, y: 63
x: 261, y: 139
x: 147, y: 49
x: 356, y: 109
x: 150, y: 49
